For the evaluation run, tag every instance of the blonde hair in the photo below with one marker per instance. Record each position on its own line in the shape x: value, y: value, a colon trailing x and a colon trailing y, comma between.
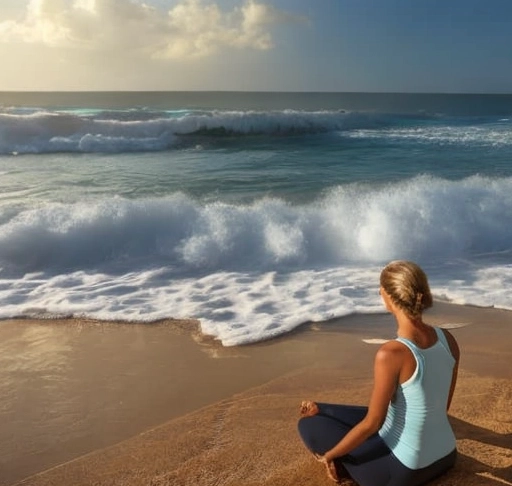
x: 407, y: 286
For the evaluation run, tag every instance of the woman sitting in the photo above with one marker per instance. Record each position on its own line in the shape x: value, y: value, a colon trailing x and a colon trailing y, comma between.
x: 403, y: 438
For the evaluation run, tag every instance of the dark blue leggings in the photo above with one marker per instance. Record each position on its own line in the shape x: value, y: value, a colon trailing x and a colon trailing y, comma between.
x: 370, y: 464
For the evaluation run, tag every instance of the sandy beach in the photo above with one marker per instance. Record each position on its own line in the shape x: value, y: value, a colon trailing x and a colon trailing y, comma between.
x: 91, y: 403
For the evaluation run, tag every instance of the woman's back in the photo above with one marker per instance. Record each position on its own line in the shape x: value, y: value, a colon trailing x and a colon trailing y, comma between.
x: 403, y: 437
x: 416, y: 427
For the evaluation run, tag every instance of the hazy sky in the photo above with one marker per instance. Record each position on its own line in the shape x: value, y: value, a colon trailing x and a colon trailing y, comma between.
x: 277, y: 45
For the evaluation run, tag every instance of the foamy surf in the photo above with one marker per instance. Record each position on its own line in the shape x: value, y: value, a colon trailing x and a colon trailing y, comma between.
x: 253, y: 213
x: 132, y: 130
x: 252, y: 272
x: 140, y: 130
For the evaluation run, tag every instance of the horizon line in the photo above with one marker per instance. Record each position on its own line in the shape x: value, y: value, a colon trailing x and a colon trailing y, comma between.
x: 257, y: 92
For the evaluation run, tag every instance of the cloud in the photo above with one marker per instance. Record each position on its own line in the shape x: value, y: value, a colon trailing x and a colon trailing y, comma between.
x: 190, y: 29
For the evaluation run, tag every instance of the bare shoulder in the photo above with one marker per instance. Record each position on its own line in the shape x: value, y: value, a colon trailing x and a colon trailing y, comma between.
x: 391, y: 347
x: 391, y: 351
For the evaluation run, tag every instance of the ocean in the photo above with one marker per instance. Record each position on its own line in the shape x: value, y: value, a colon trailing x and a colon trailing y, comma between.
x: 252, y: 212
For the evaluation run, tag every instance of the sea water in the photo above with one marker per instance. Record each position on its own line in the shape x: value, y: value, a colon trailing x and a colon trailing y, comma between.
x: 252, y: 212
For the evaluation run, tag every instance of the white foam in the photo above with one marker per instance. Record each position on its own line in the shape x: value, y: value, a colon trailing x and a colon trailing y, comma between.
x: 36, y: 131
x: 424, y: 218
x: 132, y: 130
x: 493, y: 135
x: 251, y: 272
x: 234, y: 307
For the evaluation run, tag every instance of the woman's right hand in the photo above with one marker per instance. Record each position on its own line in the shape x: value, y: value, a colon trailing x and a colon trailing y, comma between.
x: 308, y: 408
x: 330, y: 468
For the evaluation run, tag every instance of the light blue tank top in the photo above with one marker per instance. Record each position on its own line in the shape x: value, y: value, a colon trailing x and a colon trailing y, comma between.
x: 416, y: 428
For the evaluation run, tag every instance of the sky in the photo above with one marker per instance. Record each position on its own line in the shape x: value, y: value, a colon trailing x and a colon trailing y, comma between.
x: 448, y: 46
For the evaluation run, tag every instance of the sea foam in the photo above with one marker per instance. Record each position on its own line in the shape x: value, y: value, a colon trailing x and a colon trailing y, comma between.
x: 429, y: 218
x: 40, y: 131
x: 253, y: 271
x: 90, y: 131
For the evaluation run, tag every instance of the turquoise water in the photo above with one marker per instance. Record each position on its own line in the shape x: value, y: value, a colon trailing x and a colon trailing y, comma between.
x: 251, y: 211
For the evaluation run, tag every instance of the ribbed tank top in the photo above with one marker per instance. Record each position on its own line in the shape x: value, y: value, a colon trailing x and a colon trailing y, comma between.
x: 416, y: 428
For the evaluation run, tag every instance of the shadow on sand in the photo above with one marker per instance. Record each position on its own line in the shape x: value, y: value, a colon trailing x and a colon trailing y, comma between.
x: 494, y: 464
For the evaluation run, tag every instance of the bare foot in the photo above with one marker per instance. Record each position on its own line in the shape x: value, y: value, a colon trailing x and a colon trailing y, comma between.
x: 308, y: 408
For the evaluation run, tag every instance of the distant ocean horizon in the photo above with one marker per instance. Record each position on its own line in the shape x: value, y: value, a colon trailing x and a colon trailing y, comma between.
x: 252, y: 212
x: 408, y: 101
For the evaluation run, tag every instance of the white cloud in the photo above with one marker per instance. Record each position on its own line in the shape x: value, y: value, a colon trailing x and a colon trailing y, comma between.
x: 190, y: 29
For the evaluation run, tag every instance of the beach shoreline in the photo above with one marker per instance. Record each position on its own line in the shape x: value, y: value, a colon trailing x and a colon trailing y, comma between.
x: 111, y: 403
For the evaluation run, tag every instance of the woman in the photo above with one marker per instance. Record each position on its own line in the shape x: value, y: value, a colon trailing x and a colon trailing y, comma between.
x: 403, y: 438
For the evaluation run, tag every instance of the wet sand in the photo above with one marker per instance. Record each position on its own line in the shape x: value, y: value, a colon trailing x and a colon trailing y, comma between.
x: 88, y: 403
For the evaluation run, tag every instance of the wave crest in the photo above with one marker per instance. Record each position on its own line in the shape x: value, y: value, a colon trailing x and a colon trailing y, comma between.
x: 138, y: 130
x: 423, y: 218
x: 251, y: 272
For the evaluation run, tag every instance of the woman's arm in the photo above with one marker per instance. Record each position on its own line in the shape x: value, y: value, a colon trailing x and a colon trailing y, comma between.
x: 454, y: 348
x: 388, y: 363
